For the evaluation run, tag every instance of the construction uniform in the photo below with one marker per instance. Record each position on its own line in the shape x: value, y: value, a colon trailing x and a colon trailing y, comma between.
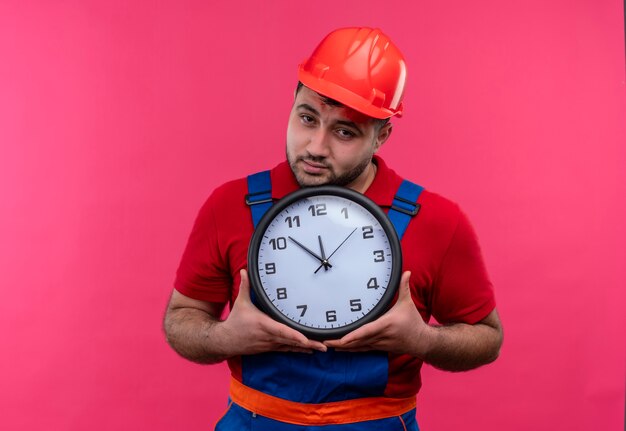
x: 336, y: 390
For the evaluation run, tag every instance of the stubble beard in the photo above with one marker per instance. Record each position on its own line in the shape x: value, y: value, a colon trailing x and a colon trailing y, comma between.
x: 310, y: 180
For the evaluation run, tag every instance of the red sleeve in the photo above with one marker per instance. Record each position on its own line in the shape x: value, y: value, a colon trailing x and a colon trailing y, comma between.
x: 202, y: 273
x: 462, y: 291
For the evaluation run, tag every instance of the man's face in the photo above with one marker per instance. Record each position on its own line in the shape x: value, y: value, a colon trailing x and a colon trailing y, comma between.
x: 329, y: 144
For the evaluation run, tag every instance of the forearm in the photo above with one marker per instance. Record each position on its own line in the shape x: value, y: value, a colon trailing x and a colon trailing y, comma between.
x: 461, y: 347
x: 194, y: 334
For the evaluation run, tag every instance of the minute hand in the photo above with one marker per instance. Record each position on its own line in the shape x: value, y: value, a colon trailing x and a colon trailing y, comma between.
x: 335, y: 251
x: 305, y: 248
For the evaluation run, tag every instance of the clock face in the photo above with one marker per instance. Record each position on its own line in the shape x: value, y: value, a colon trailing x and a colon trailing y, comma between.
x: 324, y: 261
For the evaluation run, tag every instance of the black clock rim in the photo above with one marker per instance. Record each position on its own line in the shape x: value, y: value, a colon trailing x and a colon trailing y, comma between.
x: 260, y: 298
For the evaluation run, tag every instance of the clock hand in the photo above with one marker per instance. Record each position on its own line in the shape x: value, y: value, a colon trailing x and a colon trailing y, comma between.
x: 331, y: 255
x: 310, y: 252
x: 325, y: 261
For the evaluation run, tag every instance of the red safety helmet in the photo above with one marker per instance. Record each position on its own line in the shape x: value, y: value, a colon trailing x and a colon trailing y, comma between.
x: 360, y: 68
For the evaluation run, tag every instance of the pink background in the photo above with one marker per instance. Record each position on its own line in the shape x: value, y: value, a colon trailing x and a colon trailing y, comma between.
x: 118, y: 118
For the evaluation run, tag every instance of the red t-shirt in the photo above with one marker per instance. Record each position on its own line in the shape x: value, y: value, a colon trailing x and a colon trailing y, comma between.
x: 448, y: 277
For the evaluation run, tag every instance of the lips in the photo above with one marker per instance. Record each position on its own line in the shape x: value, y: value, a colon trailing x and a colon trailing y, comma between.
x: 311, y: 167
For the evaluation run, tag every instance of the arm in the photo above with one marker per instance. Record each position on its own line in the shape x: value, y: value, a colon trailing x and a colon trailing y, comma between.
x: 402, y: 330
x: 462, y: 347
x: 194, y: 330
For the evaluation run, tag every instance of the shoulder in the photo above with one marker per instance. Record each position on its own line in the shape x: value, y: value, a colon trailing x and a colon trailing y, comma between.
x: 443, y: 222
x: 234, y: 191
x: 228, y: 200
x: 224, y: 199
x: 437, y: 219
x: 230, y: 191
x: 438, y: 215
x: 438, y: 207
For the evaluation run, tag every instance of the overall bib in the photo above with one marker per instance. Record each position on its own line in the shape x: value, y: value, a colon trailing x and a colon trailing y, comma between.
x: 322, y: 391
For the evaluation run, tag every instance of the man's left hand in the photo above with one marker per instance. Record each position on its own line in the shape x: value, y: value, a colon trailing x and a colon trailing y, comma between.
x: 400, y: 330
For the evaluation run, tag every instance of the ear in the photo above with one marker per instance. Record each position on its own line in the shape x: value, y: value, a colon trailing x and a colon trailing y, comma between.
x: 383, y: 135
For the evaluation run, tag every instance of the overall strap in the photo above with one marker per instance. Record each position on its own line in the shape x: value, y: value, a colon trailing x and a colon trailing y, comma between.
x: 259, y: 197
x: 404, y: 206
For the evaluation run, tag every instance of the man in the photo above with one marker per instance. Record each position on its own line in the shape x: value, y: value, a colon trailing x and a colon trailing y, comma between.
x: 349, y: 88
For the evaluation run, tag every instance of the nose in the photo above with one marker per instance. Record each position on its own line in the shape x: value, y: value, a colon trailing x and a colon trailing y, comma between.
x: 319, y: 143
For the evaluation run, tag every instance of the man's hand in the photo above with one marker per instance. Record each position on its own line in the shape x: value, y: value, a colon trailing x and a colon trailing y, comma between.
x: 247, y: 330
x: 400, y: 330
x: 194, y: 330
x: 455, y: 347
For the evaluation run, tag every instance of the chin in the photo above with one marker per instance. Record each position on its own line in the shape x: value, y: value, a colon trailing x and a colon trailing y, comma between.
x: 306, y: 180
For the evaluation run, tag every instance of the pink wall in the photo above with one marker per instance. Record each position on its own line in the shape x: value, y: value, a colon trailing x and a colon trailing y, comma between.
x: 118, y: 118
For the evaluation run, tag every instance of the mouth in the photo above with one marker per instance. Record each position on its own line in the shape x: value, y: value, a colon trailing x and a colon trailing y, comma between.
x: 313, y: 168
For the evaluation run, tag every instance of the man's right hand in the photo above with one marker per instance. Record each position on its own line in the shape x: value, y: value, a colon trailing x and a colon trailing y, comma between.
x: 194, y: 330
x: 247, y: 330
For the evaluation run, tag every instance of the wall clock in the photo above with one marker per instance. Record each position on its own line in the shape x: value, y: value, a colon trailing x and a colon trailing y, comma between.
x: 324, y: 261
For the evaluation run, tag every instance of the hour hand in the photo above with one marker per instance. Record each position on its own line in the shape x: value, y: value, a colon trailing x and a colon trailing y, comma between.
x: 325, y: 261
x: 312, y: 253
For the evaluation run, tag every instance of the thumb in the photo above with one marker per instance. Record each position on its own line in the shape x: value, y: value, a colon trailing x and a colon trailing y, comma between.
x: 404, y: 291
x: 244, y: 287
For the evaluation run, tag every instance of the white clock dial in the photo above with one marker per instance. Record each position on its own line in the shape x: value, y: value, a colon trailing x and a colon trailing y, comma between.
x: 325, y: 262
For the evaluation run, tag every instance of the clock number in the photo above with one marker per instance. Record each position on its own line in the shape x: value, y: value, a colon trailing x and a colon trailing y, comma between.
x: 368, y: 232
x: 270, y: 268
x: 331, y: 316
x: 279, y: 243
x: 344, y: 211
x: 355, y: 305
x: 281, y: 293
x: 293, y: 221
x: 379, y: 256
x: 372, y: 283
x: 303, y: 308
x: 317, y: 209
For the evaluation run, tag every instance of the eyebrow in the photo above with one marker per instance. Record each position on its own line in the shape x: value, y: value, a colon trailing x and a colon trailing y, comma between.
x: 346, y: 123
x: 308, y: 108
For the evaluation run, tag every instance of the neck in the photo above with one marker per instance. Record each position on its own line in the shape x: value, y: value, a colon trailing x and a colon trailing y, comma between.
x: 366, y: 179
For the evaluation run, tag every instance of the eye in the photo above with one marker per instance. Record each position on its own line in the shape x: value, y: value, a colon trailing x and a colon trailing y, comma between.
x: 345, y: 133
x: 307, y: 119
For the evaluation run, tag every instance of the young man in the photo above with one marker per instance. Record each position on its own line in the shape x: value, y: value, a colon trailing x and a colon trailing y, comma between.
x: 349, y: 88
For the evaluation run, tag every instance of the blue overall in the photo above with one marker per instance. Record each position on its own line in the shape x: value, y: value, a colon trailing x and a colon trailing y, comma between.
x: 320, y: 377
